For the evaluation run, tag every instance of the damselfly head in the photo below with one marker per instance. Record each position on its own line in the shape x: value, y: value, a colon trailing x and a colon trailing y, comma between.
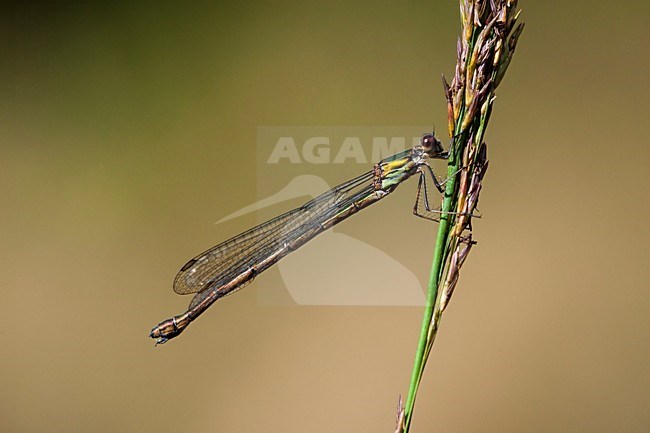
x: 432, y: 146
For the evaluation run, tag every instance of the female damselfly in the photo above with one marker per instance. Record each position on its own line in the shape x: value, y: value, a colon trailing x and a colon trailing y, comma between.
x: 233, y: 264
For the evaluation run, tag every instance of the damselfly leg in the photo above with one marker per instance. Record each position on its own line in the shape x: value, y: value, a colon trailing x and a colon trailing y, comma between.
x: 422, y: 207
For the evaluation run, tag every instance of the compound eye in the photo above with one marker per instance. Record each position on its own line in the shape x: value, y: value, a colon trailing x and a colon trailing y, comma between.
x: 431, y: 146
x: 428, y: 142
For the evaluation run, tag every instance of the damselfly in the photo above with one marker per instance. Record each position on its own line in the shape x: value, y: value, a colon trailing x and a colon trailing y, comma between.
x: 233, y: 264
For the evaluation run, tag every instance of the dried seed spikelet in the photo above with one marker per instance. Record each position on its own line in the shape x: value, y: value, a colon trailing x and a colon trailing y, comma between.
x: 512, y: 13
x: 486, y: 105
x: 467, y: 20
x: 478, y: 167
x: 498, y: 51
x: 463, y: 181
x: 456, y: 262
x: 486, y: 53
x: 480, y: 52
x: 461, y: 63
x: 479, y: 10
x: 470, y: 114
x: 463, y: 186
x: 451, y: 121
x: 510, y: 50
x: 501, y: 24
x: 469, y: 92
x: 463, y: 13
x: 481, y: 41
x: 458, y: 102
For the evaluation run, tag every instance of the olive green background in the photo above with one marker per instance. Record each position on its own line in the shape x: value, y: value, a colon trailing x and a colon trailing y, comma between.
x: 127, y: 130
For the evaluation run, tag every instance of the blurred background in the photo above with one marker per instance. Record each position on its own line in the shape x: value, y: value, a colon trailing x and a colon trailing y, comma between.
x: 127, y: 130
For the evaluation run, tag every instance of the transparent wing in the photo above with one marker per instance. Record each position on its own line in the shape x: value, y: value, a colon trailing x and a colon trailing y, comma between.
x: 222, y: 263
